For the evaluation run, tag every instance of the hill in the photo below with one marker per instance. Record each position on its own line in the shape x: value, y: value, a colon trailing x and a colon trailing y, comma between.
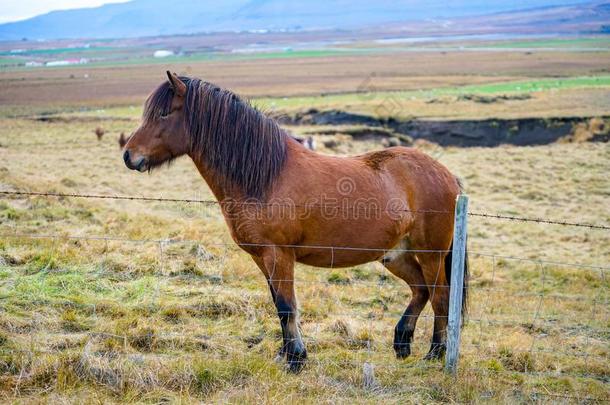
x: 156, y: 17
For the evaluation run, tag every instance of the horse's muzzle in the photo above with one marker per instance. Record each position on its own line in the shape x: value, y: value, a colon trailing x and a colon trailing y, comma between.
x: 140, y: 165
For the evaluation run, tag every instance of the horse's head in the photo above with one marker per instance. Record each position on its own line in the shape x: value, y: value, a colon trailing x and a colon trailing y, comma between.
x: 161, y: 136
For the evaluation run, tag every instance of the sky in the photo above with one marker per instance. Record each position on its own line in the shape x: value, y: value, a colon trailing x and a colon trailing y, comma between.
x: 14, y: 10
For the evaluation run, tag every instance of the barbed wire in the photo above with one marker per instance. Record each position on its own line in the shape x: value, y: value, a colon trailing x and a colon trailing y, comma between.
x: 229, y: 339
x: 498, y: 319
x: 57, y: 144
x: 169, y: 241
x: 108, y: 197
x: 193, y: 241
x: 537, y: 261
x: 358, y: 356
x: 538, y: 220
x: 278, y: 204
x: 228, y: 246
x: 364, y: 354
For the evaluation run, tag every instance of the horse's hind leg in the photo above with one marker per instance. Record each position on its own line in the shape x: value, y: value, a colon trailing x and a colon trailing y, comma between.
x: 433, y: 270
x: 407, y: 268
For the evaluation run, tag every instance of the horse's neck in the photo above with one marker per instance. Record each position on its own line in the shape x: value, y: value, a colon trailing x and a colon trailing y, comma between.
x: 212, y: 179
x: 215, y: 180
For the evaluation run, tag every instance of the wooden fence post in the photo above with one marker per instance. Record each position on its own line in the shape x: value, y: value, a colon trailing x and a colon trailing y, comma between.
x: 456, y: 292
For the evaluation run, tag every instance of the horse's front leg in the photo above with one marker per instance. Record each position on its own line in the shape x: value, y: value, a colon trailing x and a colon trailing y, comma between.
x: 278, y: 266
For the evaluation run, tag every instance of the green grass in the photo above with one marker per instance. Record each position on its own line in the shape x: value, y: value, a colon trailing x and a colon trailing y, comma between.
x: 122, y: 57
x: 526, y: 86
x: 575, y: 43
x: 10, y: 62
x: 313, y: 53
x: 59, y: 51
x: 530, y: 86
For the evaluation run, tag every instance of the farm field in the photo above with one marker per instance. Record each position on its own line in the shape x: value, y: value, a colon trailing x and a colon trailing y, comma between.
x: 555, y: 43
x: 85, y: 87
x: 113, y: 301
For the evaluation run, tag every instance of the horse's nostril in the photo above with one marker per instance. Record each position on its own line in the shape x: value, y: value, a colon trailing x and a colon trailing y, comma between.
x: 126, y: 157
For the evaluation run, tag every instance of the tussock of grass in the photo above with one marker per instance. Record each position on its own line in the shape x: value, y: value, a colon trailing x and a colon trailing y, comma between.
x: 337, y: 277
x: 72, y: 322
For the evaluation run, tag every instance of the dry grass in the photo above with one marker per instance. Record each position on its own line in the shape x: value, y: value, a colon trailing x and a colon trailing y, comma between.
x: 183, y: 321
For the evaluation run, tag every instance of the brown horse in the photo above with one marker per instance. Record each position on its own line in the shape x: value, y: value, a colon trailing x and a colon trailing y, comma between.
x: 284, y: 203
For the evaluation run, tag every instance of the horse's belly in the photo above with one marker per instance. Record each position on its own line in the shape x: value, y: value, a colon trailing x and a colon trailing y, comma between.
x: 337, y: 257
x: 346, y: 251
x: 348, y: 243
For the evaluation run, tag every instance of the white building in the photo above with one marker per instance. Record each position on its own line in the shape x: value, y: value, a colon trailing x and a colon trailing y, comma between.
x: 67, y: 62
x: 162, y: 53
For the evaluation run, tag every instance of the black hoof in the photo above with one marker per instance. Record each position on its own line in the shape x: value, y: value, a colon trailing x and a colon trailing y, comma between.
x: 296, y: 361
x: 403, y: 350
x: 437, y: 352
x: 402, y: 342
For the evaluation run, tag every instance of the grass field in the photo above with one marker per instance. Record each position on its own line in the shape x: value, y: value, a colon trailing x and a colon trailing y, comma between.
x: 85, y: 85
x: 112, y: 57
x: 165, y: 308
x: 547, y: 93
x: 557, y: 43
x: 118, y: 53
x: 105, y: 56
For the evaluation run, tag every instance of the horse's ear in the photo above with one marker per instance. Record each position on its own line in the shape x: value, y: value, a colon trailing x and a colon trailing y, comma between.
x: 177, y: 84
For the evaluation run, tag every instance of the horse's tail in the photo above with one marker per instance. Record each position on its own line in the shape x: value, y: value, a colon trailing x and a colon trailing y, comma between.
x: 448, y: 260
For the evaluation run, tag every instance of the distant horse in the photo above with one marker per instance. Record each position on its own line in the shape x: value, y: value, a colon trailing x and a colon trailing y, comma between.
x: 308, y: 142
x: 284, y: 203
x: 99, y: 133
x: 122, y: 140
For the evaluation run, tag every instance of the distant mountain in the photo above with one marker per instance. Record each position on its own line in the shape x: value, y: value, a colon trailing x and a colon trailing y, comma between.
x: 161, y: 17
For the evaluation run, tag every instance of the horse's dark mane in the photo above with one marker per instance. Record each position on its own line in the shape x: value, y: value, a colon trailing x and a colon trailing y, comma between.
x: 244, y: 148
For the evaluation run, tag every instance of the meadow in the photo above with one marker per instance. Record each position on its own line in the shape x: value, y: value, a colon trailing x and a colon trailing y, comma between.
x: 109, y: 301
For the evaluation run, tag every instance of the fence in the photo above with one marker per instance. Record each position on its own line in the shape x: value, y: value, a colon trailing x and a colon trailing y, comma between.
x: 564, y: 334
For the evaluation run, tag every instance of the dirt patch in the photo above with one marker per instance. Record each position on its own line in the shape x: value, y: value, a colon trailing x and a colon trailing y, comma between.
x: 593, y: 130
x: 482, y: 99
x: 493, y: 99
x: 463, y: 133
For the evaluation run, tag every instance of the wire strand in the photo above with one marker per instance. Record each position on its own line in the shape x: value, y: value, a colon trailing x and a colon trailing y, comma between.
x: 277, y: 204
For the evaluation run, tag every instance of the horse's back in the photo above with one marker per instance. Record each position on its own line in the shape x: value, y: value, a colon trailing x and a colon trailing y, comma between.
x: 416, y: 170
